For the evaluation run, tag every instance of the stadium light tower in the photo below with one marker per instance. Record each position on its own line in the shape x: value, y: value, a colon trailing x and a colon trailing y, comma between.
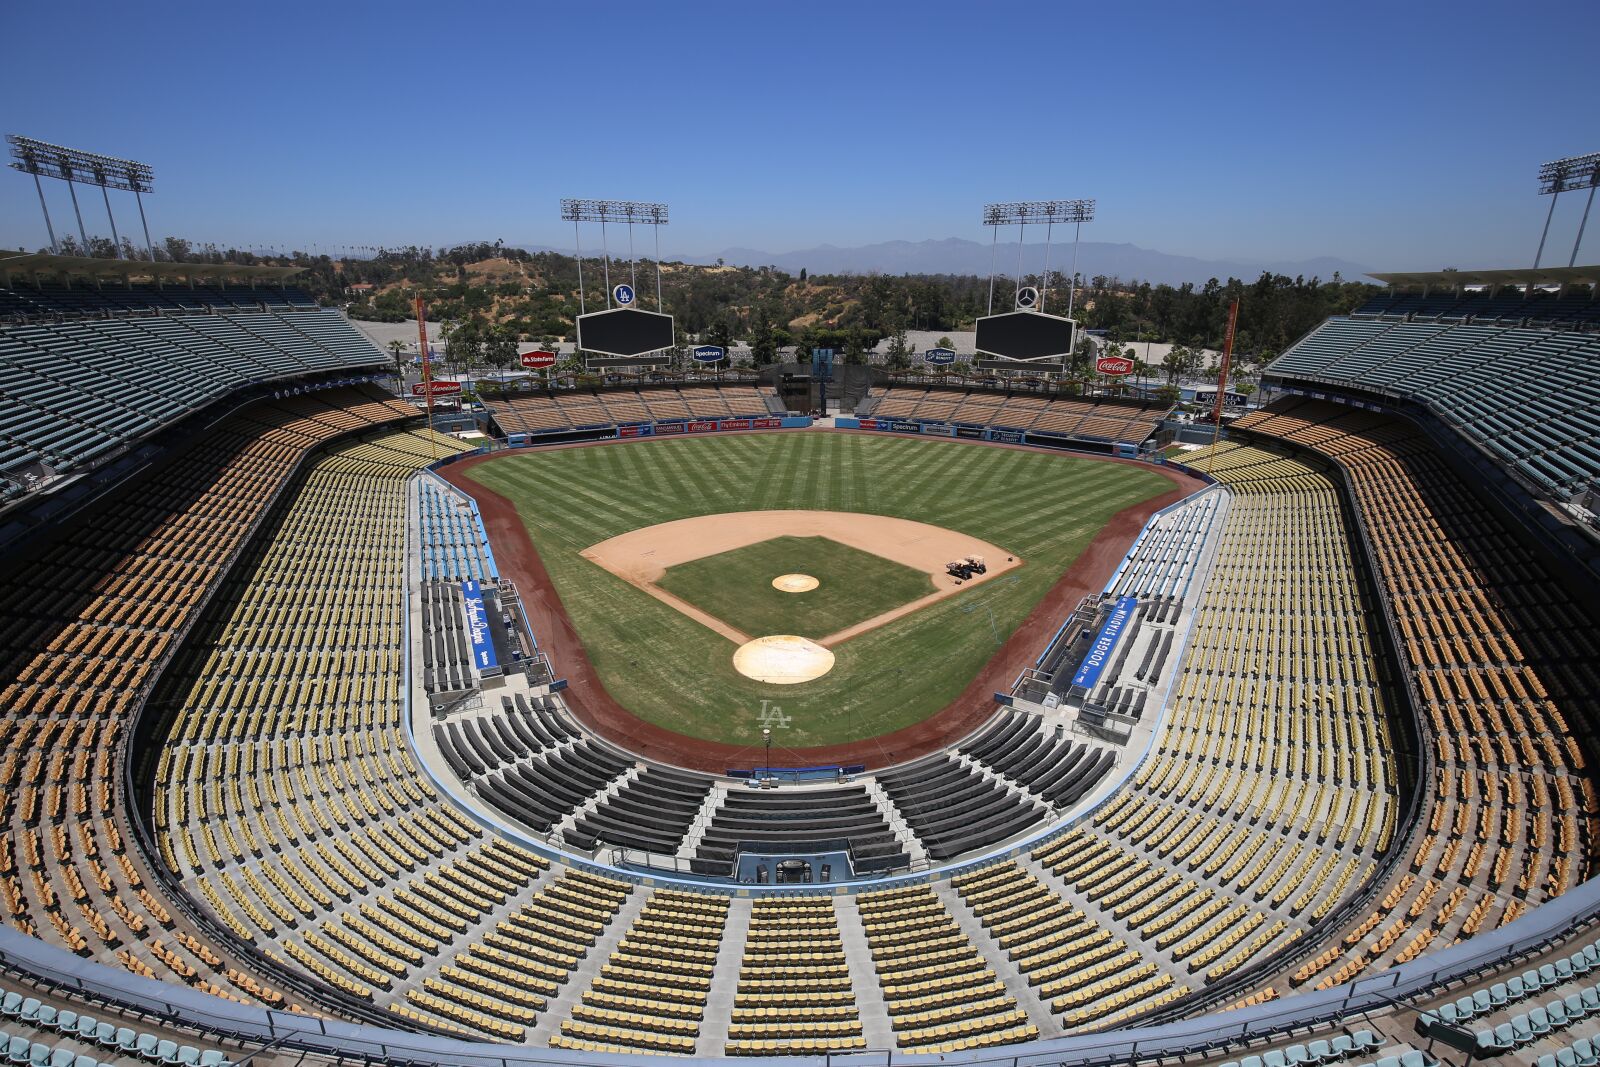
x: 624, y: 211
x: 1563, y: 175
x: 1049, y: 212
x: 71, y: 165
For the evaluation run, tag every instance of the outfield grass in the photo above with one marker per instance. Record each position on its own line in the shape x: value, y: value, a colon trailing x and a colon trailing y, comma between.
x: 736, y: 586
x: 668, y: 669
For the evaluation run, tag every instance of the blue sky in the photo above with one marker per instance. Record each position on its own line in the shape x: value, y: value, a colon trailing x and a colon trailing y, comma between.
x: 1400, y: 135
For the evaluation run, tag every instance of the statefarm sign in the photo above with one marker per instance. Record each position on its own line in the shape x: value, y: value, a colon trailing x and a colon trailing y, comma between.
x: 538, y: 360
x: 436, y: 388
x: 1116, y: 366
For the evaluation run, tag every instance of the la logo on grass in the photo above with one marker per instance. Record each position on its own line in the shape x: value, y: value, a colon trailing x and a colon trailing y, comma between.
x: 772, y: 716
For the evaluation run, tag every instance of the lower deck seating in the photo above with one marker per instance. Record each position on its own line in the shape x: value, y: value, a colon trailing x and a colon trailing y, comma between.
x: 651, y: 812
x: 1053, y: 768
x: 953, y: 808
x: 805, y: 821
x: 446, y: 651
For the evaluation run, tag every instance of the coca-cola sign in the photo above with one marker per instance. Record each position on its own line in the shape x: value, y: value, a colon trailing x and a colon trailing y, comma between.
x: 1116, y: 366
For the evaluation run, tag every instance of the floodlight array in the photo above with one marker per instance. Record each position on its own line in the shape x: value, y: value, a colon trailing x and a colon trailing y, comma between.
x: 1574, y: 172
x: 1035, y: 211
x: 625, y: 211
x: 43, y: 159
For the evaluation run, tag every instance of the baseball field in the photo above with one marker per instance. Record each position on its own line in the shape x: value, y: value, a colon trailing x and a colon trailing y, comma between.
x: 662, y: 625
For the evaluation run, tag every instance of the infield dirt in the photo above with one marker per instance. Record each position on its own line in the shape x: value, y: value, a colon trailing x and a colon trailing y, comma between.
x: 641, y: 557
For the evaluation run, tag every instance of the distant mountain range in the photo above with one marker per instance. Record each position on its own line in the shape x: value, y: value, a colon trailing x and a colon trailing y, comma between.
x: 954, y: 255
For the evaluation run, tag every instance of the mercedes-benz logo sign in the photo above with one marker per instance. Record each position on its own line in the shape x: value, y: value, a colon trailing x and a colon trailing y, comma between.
x: 1027, y: 297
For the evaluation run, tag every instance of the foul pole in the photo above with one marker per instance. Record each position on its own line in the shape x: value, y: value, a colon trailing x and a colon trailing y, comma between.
x: 1222, y: 380
x: 427, y: 371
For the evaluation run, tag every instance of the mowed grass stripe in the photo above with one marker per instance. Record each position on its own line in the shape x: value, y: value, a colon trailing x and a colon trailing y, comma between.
x: 674, y: 672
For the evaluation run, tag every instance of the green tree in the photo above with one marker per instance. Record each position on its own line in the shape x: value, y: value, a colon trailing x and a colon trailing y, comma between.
x: 397, y: 350
x: 855, y: 349
x: 1176, y: 362
x: 899, y: 350
x: 500, y: 350
x: 763, y: 345
x: 463, y: 341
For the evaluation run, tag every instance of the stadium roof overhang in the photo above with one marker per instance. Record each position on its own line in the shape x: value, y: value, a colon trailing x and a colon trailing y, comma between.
x: 1451, y: 279
x: 127, y: 270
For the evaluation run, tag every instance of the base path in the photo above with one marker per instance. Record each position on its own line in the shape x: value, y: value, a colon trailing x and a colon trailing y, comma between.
x: 641, y: 557
x: 598, y: 710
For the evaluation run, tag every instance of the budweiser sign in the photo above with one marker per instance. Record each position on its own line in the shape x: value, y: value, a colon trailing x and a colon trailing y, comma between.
x: 1116, y: 366
x: 437, y: 388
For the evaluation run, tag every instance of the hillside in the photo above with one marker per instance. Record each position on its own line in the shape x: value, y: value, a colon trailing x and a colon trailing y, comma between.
x: 502, y: 292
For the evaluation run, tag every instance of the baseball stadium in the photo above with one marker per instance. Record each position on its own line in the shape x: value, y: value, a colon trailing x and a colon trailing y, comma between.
x: 821, y: 710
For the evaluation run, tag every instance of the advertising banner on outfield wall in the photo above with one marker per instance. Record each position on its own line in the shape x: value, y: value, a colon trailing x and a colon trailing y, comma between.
x: 1006, y: 437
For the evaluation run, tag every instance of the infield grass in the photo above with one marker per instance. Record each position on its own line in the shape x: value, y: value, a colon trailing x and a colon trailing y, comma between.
x: 736, y: 586
x: 668, y: 669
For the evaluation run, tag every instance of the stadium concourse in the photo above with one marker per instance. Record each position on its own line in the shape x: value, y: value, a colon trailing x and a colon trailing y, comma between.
x: 287, y: 773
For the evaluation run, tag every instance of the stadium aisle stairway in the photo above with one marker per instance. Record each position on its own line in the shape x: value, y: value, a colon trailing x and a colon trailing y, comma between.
x: 96, y: 617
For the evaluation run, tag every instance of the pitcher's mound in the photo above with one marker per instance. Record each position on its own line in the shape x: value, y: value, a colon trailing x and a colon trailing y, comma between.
x: 782, y: 659
x: 795, y: 583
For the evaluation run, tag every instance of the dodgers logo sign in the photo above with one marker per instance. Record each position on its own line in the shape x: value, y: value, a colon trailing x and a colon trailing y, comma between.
x: 709, y: 353
x: 623, y: 294
x: 939, y: 357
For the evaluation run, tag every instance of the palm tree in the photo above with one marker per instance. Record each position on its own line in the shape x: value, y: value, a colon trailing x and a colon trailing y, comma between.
x: 396, y: 349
